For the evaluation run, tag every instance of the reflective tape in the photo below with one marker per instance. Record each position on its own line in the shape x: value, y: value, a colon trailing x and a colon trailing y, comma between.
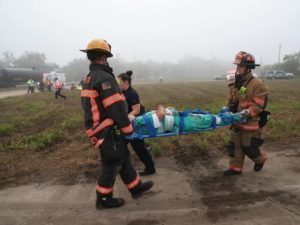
x: 259, y: 101
x: 104, y: 123
x: 112, y: 99
x: 95, y: 112
x: 134, y: 183
x: 235, y: 168
x: 89, y: 93
x: 104, y: 190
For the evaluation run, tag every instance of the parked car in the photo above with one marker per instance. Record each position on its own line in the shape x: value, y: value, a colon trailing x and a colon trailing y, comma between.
x: 229, y: 76
x: 221, y: 77
x: 232, y: 76
x: 278, y: 74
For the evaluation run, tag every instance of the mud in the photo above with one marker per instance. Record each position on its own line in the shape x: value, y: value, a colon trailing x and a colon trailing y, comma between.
x: 189, y: 189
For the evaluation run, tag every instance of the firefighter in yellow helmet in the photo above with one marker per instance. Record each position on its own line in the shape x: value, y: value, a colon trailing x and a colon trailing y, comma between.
x: 106, y: 121
x: 247, y: 94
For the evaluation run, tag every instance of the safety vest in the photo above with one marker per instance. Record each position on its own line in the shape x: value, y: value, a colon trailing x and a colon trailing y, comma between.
x: 30, y: 83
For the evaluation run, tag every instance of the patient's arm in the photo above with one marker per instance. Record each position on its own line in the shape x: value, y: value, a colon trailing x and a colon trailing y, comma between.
x: 160, y: 113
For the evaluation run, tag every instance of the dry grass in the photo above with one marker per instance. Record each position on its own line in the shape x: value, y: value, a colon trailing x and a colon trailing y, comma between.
x: 39, y: 121
x: 42, y: 138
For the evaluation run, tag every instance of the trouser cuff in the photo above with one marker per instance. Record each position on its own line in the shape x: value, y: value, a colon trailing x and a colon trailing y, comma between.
x: 136, y: 182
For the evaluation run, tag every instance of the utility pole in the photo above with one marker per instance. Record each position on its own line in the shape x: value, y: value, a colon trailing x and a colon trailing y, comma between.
x: 279, y: 52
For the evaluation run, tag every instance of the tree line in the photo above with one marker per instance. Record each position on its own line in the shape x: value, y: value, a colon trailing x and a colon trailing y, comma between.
x: 188, y: 68
x: 28, y: 59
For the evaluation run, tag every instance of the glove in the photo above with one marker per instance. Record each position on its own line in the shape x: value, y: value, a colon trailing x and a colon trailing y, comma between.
x: 245, y: 113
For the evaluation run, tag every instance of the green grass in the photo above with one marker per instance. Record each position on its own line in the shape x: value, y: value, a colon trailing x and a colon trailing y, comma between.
x: 39, y: 121
x: 37, y: 141
x: 72, y: 122
x: 6, y: 129
x: 156, y: 149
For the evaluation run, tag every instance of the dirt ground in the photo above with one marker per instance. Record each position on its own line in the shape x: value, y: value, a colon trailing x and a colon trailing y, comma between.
x: 11, y: 93
x: 187, y: 190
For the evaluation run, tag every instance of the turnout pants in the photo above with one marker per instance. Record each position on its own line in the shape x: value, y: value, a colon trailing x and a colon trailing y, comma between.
x: 115, y: 159
x: 245, y: 143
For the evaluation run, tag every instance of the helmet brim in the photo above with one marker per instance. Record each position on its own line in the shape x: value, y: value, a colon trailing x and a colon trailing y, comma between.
x: 96, y: 50
x: 245, y: 64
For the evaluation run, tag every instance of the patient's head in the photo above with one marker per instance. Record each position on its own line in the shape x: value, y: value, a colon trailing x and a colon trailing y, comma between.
x: 160, y: 111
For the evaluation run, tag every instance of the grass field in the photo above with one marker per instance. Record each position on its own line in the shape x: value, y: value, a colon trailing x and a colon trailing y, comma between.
x: 39, y: 127
x: 39, y: 121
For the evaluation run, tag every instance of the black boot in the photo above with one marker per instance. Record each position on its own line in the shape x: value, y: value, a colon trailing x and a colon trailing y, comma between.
x: 258, y: 166
x: 108, y: 202
x: 138, y: 191
x: 148, y: 171
x: 230, y: 172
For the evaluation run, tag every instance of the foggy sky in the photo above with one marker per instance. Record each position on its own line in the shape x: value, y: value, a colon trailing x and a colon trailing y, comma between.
x: 160, y: 30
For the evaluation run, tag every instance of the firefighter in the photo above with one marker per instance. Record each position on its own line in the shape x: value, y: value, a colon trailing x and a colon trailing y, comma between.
x: 58, y: 85
x: 136, y: 109
x: 247, y: 94
x: 106, y: 122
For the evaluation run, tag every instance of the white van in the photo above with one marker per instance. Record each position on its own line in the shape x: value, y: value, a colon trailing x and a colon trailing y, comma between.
x: 50, y: 76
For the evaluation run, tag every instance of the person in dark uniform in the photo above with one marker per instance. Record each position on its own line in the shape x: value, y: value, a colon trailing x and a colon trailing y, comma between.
x: 106, y: 121
x: 136, y: 109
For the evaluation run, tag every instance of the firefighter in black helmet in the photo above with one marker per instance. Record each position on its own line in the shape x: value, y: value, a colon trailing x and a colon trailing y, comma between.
x: 106, y: 121
x: 248, y: 94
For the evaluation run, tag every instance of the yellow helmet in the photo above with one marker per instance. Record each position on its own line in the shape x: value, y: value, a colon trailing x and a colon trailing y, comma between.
x: 98, y: 45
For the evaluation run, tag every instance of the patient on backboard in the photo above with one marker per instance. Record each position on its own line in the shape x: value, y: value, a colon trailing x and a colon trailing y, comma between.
x: 169, y: 120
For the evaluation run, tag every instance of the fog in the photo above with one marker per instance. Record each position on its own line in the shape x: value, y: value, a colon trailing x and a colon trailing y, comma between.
x: 164, y: 31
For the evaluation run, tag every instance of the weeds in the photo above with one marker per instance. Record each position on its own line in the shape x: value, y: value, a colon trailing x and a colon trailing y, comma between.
x: 39, y: 121
x: 156, y: 149
x: 37, y: 141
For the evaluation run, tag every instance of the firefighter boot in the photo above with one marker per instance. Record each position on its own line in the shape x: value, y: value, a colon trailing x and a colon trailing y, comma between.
x: 138, y: 191
x: 230, y: 172
x: 258, y: 166
x: 108, y: 202
x: 148, y: 171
